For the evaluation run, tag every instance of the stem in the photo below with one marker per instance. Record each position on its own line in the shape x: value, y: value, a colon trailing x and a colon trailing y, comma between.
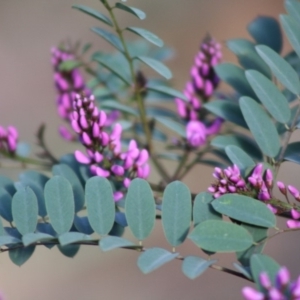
x: 137, y: 94
x: 181, y: 165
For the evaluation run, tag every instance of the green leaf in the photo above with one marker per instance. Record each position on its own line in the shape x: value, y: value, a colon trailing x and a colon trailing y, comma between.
x: 36, y: 181
x: 167, y: 91
x: 31, y: 238
x: 135, y: 11
x: 140, y: 208
x: 220, y: 236
x: 5, y: 205
x: 227, y: 110
x: 239, y: 140
x: 100, y: 204
x: 78, y: 192
x: 235, y: 77
x: 69, y: 65
x: 109, y: 37
x: 94, y: 13
x: 83, y: 225
x: 262, y: 263
x: 261, y: 126
x: 2, y: 230
x: 111, y: 104
x: 259, y: 234
x: 147, y: 35
x: 248, y: 58
x: 113, y: 67
x: 25, y: 210
x: 239, y: 157
x: 292, y: 153
x: 283, y: 71
x: 154, y: 258
x: 266, y: 30
x: 86, y: 48
x: 7, y: 239
x: 60, y: 203
x: 270, y: 96
x: 173, y: 125
x: 176, y: 212
x: 292, y: 30
x: 293, y: 8
x: 245, y: 209
x: 243, y: 270
x: 156, y: 65
x: 203, y: 210
x: 69, y: 250
x: 170, y: 156
x: 113, y: 242
x: 21, y: 255
x: 73, y: 237
x: 194, y: 266
x: 7, y: 184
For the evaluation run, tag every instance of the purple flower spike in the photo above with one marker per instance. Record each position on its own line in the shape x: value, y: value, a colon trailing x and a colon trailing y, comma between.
x: 81, y: 158
x: 265, y: 280
x: 117, y: 170
x: 195, y: 133
x: 66, y: 134
x: 293, y: 224
x: 250, y: 293
x: 283, y: 277
x: 295, y: 214
x: 269, y: 178
x: 294, y: 192
x: 118, y: 196
x: 281, y: 187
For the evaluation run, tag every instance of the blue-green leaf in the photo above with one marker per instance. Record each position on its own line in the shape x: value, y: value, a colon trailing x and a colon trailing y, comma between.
x: 100, y: 204
x: 31, y: 238
x: 82, y: 224
x: 111, y: 104
x: 156, y: 65
x: 113, y: 242
x: 73, y: 237
x: 220, y: 236
x: 147, y: 35
x: 140, y: 208
x: 21, y: 255
x: 292, y: 152
x: 270, y: 96
x: 262, y: 263
x: 65, y: 171
x: 167, y: 91
x: 154, y: 258
x: 60, y: 203
x: 239, y: 157
x: 135, y: 11
x: 7, y: 184
x: 203, y: 210
x: 7, y: 240
x: 292, y: 30
x: 94, y: 13
x: 244, y: 270
x: 25, y: 210
x: 176, y: 212
x: 235, y: 77
x: 266, y: 30
x: 5, y: 205
x: 173, y: 125
x: 194, y: 266
x: 109, y: 37
x: 293, y: 8
x: 227, y: 110
x: 261, y: 126
x: 245, y: 209
x: 283, y: 71
x: 69, y: 250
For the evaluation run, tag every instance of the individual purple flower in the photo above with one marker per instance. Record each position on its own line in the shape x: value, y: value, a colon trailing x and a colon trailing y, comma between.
x: 103, y: 146
x: 283, y: 289
x: 9, y: 139
x: 195, y: 133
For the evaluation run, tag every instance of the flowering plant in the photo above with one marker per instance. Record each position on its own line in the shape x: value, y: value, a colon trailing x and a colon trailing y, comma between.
x: 118, y: 117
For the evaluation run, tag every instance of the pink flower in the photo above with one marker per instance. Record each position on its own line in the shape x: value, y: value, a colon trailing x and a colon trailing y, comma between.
x: 196, y: 133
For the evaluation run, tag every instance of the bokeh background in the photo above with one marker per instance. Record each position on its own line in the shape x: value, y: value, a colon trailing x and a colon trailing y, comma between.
x: 28, y: 29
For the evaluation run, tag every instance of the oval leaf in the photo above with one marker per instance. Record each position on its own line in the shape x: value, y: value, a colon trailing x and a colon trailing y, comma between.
x: 245, y: 209
x: 109, y: 37
x: 100, y: 204
x: 173, y: 125
x: 25, y: 210
x: 176, y: 212
x: 73, y: 237
x: 261, y: 126
x: 21, y: 255
x: 194, y: 266
x: 270, y: 96
x: 154, y: 258
x: 60, y: 203
x: 140, y: 208
x: 69, y: 250
x: 293, y: 8
x: 113, y: 242
x: 31, y: 238
x: 220, y: 236
x: 147, y: 35
x: 167, y: 91
x: 283, y: 71
x: 292, y: 153
x: 157, y: 66
x: 7, y: 184
x: 5, y: 205
x: 135, y: 11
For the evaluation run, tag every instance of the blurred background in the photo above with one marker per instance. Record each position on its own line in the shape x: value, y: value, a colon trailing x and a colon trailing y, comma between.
x: 28, y: 29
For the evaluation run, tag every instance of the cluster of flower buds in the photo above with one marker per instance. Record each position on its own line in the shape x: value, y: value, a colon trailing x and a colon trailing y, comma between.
x: 230, y: 180
x: 199, y: 89
x: 284, y: 288
x: 8, y: 139
x: 68, y: 84
x: 103, y: 149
